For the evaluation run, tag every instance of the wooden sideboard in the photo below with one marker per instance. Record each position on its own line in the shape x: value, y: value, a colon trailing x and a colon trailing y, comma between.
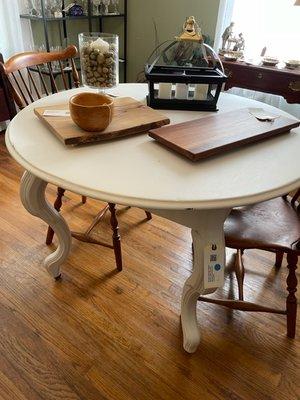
x: 283, y: 82
x: 4, y: 113
x: 7, y: 106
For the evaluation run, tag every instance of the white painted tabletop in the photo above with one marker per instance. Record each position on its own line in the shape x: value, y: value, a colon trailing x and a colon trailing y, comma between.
x: 138, y: 171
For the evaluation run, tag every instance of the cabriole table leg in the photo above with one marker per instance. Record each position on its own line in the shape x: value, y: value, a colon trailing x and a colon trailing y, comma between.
x: 207, y: 229
x: 32, y: 193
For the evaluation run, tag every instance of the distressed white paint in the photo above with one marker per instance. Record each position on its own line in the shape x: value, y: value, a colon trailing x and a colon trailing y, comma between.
x: 207, y: 227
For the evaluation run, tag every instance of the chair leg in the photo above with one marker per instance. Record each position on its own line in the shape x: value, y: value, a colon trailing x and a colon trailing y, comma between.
x: 148, y: 215
x: 83, y: 199
x: 291, y: 301
x: 57, y: 206
x: 239, y: 270
x: 279, y: 258
x: 116, y: 236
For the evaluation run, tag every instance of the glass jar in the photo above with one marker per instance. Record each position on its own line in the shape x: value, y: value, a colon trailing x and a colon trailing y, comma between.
x: 99, y: 58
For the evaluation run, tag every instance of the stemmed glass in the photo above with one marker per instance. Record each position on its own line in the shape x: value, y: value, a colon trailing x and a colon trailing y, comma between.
x: 115, y: 4
x: 85, y: 7
x: 105, y: 6
x: 52, y: 7
x: 96, y: 6
x: 34, y: 7
x: 57, y: 8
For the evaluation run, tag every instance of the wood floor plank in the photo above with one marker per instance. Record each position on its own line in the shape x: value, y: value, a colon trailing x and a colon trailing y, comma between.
x: 100, y: 334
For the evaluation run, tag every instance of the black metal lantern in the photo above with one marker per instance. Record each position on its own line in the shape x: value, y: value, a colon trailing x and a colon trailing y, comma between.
x: 185, y: 74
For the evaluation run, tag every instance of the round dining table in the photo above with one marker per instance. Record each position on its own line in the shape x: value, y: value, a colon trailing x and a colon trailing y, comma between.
x: 137, y: 171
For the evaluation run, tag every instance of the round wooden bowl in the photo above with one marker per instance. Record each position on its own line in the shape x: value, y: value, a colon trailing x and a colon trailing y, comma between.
x: 92, y: 112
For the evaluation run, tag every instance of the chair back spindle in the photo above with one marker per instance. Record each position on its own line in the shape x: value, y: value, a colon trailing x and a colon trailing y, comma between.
x: 63, y: 74
x: 25, y: 74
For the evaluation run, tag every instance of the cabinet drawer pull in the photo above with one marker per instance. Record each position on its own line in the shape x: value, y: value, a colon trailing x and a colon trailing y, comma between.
x: 260, y: 75
x: 294, y: 86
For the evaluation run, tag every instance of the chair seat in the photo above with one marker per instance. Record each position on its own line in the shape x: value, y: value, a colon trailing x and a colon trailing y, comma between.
x: 272, y: 224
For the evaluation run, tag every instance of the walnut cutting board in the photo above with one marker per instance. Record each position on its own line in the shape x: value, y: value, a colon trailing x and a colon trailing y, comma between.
x: 220, y: 133
x: 130, y: 117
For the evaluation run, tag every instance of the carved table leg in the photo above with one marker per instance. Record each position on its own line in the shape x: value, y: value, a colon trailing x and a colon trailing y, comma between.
x: 32, y: 195
x: 207, y: 228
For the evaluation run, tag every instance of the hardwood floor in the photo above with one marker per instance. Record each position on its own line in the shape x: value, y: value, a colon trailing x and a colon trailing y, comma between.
x: 99, y: 334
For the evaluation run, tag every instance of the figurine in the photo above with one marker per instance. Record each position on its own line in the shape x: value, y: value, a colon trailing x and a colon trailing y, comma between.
x: 191, y: 31
x: 74, y: 10
x: 232, y: 46
x: 184, y: 54
x: 227, y: 36
x: 240, y: 43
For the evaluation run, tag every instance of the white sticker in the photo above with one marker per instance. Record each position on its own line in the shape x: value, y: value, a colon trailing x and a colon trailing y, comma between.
x: 262, y: 115
x: 56, y: 113
x: 213, y: 266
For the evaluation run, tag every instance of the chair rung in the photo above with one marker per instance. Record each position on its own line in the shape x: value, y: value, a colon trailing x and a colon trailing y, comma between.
x: 241, y: 305
x: 88, y: 239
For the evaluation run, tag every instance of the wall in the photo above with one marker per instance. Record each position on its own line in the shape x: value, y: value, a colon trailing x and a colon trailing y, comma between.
x: 169, y: 16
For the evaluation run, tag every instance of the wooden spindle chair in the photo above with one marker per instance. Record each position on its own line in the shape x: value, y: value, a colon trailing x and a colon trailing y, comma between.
x: 274, y: 226
x: 20, y: 68
x: 21, y: 84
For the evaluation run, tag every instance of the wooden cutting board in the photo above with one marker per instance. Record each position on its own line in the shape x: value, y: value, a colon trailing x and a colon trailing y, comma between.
x: 220, y: 133
x: 130, y: 117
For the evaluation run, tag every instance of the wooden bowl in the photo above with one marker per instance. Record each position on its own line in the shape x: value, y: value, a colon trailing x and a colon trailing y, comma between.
x: 92, y: 112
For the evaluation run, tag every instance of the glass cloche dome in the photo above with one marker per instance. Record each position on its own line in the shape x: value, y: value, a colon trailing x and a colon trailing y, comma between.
x: 185, y: 73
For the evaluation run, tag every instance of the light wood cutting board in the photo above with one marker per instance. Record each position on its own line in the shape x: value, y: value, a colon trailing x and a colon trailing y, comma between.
x: 130, y: 117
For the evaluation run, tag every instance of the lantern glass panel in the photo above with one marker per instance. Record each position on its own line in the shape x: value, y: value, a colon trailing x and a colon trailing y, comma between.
x: 189, y: 75
x: 184, y: 54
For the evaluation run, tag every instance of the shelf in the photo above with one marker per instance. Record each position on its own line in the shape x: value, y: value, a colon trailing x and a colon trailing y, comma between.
x: 82, y: 17
x: 64, y: 23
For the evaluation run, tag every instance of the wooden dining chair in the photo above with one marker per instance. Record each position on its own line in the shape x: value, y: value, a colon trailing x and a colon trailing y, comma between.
x: 20, y: 82
x: 19, y: 75
x: 274, y: 226
x: 20, y: 71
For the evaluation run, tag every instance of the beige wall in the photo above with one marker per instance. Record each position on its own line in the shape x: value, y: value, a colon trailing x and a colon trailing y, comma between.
x: 169, y: 16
